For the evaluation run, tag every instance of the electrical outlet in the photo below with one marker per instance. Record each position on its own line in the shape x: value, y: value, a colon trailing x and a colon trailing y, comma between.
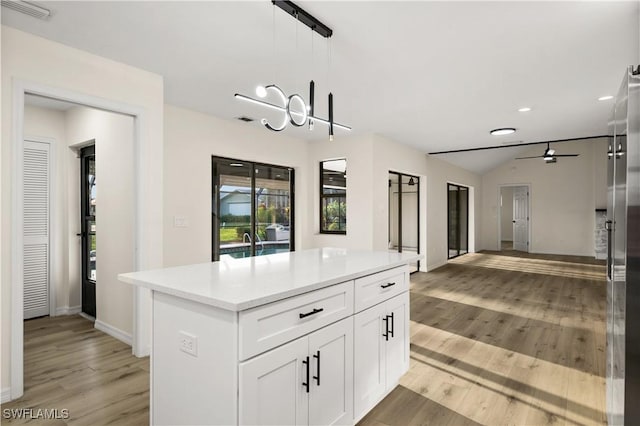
x: 188, y: 343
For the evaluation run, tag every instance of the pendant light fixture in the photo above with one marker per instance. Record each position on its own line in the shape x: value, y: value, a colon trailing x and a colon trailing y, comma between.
x: 294, y: 109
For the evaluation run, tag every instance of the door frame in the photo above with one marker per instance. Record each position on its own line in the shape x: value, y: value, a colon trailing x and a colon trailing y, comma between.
x: 141, y: 336
x: 53, y: 237
x: 469, y: 198
x: 499, y: 209
x: 400, y: 176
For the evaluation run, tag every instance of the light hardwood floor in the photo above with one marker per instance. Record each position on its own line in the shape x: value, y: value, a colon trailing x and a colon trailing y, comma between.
x: 70, y: 365
x: 504, y: 338
x: 496, y: 338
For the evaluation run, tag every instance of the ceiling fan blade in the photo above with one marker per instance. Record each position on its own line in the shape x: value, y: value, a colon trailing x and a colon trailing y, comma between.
x: 526, y: 158
x: 565, y: 155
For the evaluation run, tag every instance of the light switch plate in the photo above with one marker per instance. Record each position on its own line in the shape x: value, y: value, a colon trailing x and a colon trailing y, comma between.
x: 180, y: 222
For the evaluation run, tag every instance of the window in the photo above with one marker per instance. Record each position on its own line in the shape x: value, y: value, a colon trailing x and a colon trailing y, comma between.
x: 252, y: 210
x: 458, y: 219
x: 333, y: 197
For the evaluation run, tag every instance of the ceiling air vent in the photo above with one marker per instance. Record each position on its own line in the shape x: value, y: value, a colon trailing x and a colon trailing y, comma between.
x: 246, y: 119
x: 28, y: 8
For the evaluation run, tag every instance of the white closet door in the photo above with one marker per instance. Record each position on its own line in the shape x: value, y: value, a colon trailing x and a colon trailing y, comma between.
x: 36, y: 228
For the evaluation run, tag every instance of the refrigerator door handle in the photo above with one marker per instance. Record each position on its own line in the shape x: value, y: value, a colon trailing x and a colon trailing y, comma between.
x: 608, y: 225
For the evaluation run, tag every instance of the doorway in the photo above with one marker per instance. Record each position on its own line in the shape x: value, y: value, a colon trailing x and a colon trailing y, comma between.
x: 88, y: 228
x: 513, y: 218
x: 252, y: 209
x: 457, y: 220
x: 404, y: 215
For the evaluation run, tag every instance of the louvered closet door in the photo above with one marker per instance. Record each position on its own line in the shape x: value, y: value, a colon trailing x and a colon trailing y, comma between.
x: 36, y: 229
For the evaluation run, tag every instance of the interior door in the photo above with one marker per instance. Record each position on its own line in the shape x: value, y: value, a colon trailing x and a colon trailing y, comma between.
x: 521, y: 218
x: 36, y: 169
x: 331, y: 355
x: 88, y: 227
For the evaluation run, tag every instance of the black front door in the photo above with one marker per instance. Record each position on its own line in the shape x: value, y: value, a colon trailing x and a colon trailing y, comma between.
x: 88, y: 218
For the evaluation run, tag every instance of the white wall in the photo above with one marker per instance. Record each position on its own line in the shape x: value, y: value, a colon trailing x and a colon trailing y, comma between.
x: 563, y: 197
x: 506, y: 213
x: 439, y: 173
x: 191, y: 139
x: 115, y: 209
x: 358, y: 150
x: 32, y: 59
x: 47, y: 123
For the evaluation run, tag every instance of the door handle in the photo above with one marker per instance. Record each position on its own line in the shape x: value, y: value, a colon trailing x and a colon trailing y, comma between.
x: 392, y: 323
x: 513, y: 221
x: 306, y: 384
x: 608, y: 225
x: 317, y: 378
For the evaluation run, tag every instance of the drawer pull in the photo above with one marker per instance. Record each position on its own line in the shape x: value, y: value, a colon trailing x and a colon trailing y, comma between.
x: 387, y: 285
x: 317, y: 356
x: 315, y: 311
x: 306, y: 384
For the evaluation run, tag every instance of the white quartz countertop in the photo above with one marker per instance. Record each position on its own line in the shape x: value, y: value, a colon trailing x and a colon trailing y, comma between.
x: 239, y: 284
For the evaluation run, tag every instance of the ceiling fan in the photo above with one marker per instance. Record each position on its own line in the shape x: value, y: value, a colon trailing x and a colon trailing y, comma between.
x: 549, y: 155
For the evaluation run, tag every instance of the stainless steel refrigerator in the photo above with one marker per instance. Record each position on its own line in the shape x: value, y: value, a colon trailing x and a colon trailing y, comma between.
x: 623, y: 255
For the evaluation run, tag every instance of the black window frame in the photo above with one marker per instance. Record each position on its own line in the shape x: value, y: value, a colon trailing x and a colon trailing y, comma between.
x: 324, y: 196
x: 466, y: 190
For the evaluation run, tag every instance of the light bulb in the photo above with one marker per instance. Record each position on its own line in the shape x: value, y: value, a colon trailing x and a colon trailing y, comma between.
x: 261, y: 91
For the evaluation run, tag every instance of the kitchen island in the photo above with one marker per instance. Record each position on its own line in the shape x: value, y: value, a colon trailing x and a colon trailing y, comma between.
x: 273, y: 339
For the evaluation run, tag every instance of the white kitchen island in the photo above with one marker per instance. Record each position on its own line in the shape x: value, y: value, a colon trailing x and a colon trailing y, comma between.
x: 315, y: 336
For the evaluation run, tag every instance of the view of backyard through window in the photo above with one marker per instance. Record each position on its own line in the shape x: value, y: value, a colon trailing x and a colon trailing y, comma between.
x: 252, y: 209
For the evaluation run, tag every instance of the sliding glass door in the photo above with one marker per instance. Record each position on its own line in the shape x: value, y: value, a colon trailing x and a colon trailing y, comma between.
x: 252, y: 208
x: 404, y: 214
x: 458, y: 219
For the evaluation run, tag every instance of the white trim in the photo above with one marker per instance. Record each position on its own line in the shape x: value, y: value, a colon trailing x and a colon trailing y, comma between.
x: 5, y: 395
x: 142, y: 297
x: 86, y: 316
x: 53, y: 233
x: 113, y: 332
x: 499, y: 209
x: 68, y: 310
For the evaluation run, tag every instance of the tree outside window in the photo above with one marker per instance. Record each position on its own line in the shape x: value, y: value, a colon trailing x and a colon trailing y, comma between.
x: 333, y: 196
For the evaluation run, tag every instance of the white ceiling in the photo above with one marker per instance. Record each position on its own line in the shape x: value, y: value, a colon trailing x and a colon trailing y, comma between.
x: 434, y: 75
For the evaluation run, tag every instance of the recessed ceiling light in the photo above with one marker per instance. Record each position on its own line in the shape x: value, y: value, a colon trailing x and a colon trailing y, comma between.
x: 605, y: 98
x: 503, y: 131
x: 524, y: 109
x: 236, y: 164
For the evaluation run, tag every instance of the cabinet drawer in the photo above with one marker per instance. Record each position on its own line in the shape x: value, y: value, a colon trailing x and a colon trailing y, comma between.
x: 267, y: 326
x: 376, y: 288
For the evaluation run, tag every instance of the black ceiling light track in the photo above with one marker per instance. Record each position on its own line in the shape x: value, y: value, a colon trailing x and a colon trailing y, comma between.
x: 483, y: 148
x: 303, y: 16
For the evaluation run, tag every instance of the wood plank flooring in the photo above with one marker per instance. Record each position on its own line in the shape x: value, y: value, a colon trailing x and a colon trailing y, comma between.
x: 496, y: 338
x: 503, y: 338
x: 69, y: 365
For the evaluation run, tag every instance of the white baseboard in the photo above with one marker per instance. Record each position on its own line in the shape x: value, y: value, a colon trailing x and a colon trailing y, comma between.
x: 113, y: 332
x: 68, y: 310
x: 5, y: 395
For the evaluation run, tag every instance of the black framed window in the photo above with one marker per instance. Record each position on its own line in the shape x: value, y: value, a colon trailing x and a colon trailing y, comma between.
x: 252, y: 208
x: 333, y: 196
x: 457, y: 219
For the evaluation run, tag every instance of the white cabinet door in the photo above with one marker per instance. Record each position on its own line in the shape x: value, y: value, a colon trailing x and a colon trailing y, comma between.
x: 271, y: 386
x: 331, y: 355
x: 369, y: 359
x: 397, y: 347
